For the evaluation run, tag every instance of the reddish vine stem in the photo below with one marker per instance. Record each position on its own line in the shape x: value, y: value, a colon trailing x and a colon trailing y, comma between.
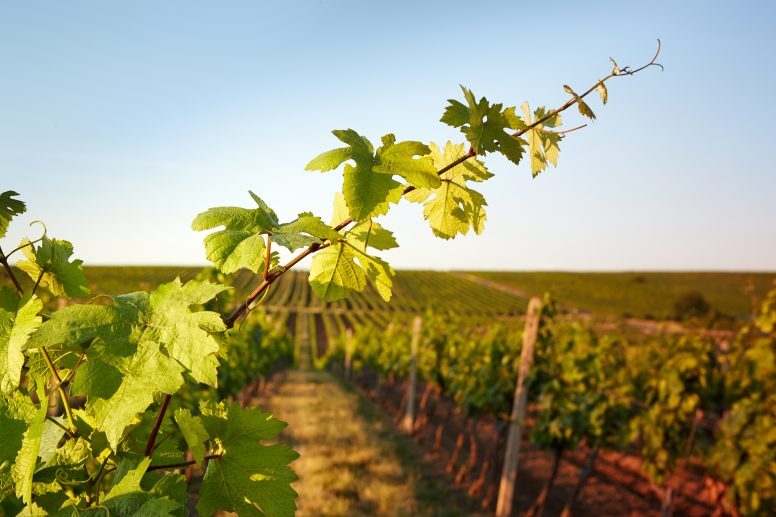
x: 157, y: 424
x: 181, y: 464
x: 37, y: 282
x: 7, y: 266
x: 268, y: 256
x: 67, y: 431
x: 272, y: 276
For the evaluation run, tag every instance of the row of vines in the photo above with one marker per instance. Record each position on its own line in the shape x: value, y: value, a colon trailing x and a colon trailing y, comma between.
x: 682, y: 403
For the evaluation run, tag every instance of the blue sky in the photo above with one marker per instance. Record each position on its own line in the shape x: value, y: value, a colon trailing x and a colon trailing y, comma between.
x: 119, y: 122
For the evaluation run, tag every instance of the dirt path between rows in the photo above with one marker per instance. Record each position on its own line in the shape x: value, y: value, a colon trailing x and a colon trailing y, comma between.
x: 353, y: 462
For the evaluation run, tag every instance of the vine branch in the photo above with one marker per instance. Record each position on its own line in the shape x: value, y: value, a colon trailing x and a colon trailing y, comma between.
x: 60, y: 390
x: 149, y: 450
x: 9, y: 270
x: 273, y: 275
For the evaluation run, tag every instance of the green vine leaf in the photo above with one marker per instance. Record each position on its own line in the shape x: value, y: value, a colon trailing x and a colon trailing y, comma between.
x: 163, y: 317
x: 9, y: 208
x: 344, y: 266
x: 16, y: 410
x: 584, y: 109
x: 542, y: 144
x: 186, y: 335
x: 15, y: 330
x: 127, y: 496
x: 241, y: 243
x: 193, y: 432
x: 368, y: 186
x: 303, y: 231
x: 119, y: 380
x: 27, y: 458
x: 454, y: 208
x: 50, y: 261
x: 485, y: 125
x: 249, y: 478
x: 368, y: 193
x: 137, y: 347
x: 409, y: 160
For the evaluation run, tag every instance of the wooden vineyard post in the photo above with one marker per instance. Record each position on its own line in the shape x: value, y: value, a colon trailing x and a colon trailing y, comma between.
x: 348, y: 351
x: 506, y: 490
x: 409, y: 412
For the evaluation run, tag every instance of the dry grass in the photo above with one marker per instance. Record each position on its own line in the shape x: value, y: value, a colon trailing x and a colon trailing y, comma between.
x: 351, y: 462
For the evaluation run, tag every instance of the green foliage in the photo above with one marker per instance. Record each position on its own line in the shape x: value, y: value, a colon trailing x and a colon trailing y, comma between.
x: 249, y: 478
x: 368, y: 186
x: 15, y: 329
x: 127, y: 357
x: 453, y: 207
x: 121, y: 359
x: 744, y: 453
x: 241, y: 243
x: 578, y: 384
x: 193, y: 432
x: 647, y: 295
x: 254, y: 351
x: 542, y: 143
x: 9, y: 208
x: 344, y: 266
x: 474, y: 365
x: 486, y: 126
x: 673, y: 378
x: 50, y: 261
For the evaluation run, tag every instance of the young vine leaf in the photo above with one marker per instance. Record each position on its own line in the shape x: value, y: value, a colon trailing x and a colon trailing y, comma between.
x: 249, y: 478
x: 24, y: 467
x: 485, y: 125
x: 453, y: 207
x: 15, y: 329
x: 542, y: 144
x: 584, y: 109
x: 193, y: 432
x: 120, y: 379
x: 50, y: 261
x: 127, y: 496
x: 241, y: 243
x: 344, y: 266
x: 16, y: 411
x: 369, y: 187
x: 9, y: 208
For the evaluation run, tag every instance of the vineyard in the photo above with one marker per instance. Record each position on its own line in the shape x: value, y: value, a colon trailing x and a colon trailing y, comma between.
x: 586, y: 392
x: 299, y: 372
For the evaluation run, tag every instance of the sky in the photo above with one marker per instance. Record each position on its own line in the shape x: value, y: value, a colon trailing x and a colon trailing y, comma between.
x: 120, y: 121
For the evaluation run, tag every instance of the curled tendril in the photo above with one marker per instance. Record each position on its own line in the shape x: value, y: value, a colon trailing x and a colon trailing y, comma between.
x: 617, y: 71
x: 31, y: 242
x: 62, y: 478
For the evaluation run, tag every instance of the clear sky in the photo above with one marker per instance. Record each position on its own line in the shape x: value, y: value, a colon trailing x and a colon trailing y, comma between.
x: 119, y: 122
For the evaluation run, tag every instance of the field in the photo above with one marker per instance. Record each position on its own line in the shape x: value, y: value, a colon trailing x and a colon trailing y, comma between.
x: 345, y: 399
x: 645, y: 295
